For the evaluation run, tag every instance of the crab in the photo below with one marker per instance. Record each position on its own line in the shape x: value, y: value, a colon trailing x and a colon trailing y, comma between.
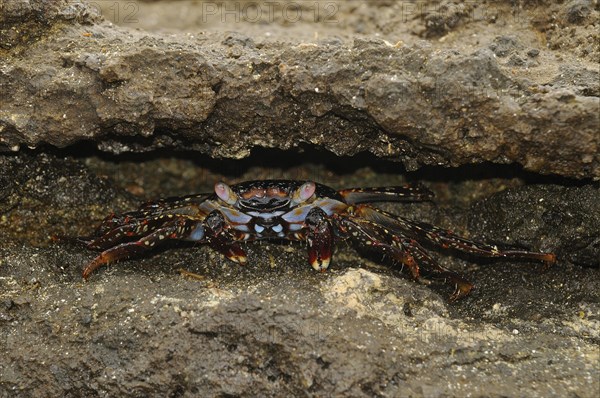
x: 292, y: 210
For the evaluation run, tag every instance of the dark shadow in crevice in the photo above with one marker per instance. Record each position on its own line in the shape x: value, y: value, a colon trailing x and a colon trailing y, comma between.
x: 307, y: 154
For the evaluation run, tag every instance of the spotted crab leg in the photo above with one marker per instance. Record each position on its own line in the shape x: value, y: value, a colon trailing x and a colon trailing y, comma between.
x: 123, y: 232
x: 433, y: 269
x: 173, y: 203
x: 404, y: 193
x: 151, y: 216
x: 375, y: 237
x: 371, y: 236
x: 176, y: 229
x: 444, y: 238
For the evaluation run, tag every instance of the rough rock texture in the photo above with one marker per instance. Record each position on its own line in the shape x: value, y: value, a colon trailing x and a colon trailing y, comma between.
x: 421, y: 84
x: 436, y: 84
x: 276, y: 327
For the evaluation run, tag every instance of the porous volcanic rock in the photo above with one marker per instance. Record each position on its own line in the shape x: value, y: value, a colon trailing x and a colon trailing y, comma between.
x: 67, y: 77
x: 185, y: 321
x: 104, y: 105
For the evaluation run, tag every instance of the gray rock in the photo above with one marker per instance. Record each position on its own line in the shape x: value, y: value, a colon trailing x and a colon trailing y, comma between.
x: 504, y: 45
x: 577, y: 11
x: 276, y: 327
x: 77, y: 80
x: 413, y: 83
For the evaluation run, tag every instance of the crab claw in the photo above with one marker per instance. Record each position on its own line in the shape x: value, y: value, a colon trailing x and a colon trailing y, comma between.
x: 319, y: 238
x: 234, y: 253
x: 463, y: 288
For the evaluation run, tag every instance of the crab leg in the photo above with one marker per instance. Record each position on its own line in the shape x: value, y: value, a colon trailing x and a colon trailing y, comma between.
x: 114, y: 221
x: 122, y: 232
x: 431, y: 268
x: 404, y: 250
x: 405, y: 193
x: 444, y: 238
x: 175, y: 229
x: 369, y: 235
x: 118, y: 228
x: 173, y: 203
x: 319, y: 238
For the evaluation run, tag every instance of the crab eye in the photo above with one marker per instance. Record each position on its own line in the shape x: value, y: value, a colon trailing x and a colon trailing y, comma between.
x: 304, y: 193
x: 225, y: 193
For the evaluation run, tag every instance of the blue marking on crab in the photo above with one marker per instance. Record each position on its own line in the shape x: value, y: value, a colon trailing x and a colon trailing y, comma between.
x: 197, y: 234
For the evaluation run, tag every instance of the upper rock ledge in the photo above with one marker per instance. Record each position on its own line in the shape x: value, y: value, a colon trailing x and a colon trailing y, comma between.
x: 67, y: 76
